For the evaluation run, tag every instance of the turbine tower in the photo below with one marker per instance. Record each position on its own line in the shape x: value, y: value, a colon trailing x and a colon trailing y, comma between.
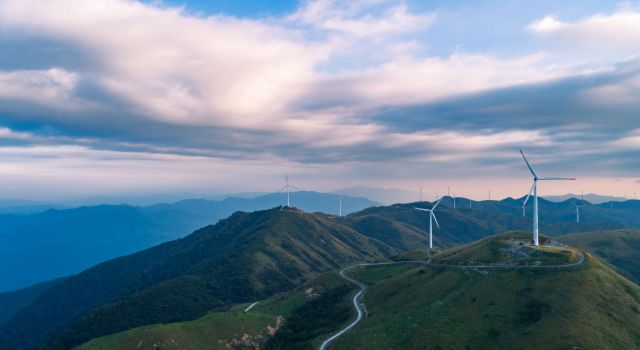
x: 534, y: 190
x: 578, y: 212
x: 454, y: 201
x: 288, y: 187
x: 432, y: 217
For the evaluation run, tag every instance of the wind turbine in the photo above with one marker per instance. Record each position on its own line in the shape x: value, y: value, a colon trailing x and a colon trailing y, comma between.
x: 534, y: 190
x: 432, y: 217
x: 287, y: 187
x: 454, y: 201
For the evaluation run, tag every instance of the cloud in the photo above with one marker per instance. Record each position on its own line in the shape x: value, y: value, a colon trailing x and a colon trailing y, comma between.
x: 172, y: 67
x: 52, y: 87
x: 355, y: 18
x: 619, y: 30
x: 346, y: 86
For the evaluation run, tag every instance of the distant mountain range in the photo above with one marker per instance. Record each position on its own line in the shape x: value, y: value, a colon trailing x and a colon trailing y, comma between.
x: 591, y: 197
x: 59, y: 242
x: 71, y: 240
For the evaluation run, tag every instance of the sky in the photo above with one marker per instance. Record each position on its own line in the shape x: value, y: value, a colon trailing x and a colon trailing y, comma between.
x: 115, y: 97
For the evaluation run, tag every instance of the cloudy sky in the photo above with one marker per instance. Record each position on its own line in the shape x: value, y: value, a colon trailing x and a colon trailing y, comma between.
x: 135, y: 97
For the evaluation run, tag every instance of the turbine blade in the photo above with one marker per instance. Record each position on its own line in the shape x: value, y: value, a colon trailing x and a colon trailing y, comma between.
x: 528, y: 165
x: 438, y: 202
x: 284, y: 188
x: 434, y: 219
x: 557, y: 178
x: 421, y: 209
x: 529, y: 195
x: 286, y: 179
x: 294, y: 187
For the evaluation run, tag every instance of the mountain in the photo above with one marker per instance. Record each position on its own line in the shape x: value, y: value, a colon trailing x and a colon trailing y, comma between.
x: 462, y: 225
x: 246, y: 257
x: 44, y: 246
x: 163, y: 273
x: 588, y: 306
x: 71, y: 240
x: 591, y: 197
x: 385, y: 196
x: 12, y: 302
x: 620, y: 249
x: 23, y: 206
x: 620, y: 215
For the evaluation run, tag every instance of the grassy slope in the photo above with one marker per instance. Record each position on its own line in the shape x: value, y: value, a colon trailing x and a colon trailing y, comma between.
x: 619, y: 248
x: 426, y: 307
x: 307, y: 321
x: 214, y: 331
x: 412, y: 306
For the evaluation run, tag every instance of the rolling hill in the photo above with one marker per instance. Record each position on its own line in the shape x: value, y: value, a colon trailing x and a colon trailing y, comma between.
x: 619, y: 248
x: 415, y: 306
x: 245, y: 257
x: 420, y: 306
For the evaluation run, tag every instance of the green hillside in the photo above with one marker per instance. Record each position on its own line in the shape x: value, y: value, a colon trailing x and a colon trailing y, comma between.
x: 217, y: 331
x: 418, y: 306
x: 302, y: 317
x: 529, y: 299
x: 619, y: 248
x: 249, y: 256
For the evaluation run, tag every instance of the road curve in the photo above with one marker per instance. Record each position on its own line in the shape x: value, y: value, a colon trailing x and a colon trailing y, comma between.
x: 251, y: 306
x: 358, y: 304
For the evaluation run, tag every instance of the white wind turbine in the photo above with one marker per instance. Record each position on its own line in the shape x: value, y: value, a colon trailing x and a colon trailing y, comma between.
x: 534, y: 190
x: 432, y: 218
x: 288, y: 187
